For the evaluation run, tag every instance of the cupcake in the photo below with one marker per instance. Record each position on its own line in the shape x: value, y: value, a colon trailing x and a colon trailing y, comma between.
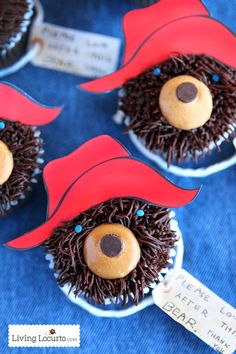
x: 21, y: 147
x: 15, y: 22
x: 178, y: 82
x: 109, y: 233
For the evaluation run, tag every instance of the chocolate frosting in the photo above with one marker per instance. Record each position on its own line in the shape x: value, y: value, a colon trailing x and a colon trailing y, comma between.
x: 25, y: 147
x: 15, y: 18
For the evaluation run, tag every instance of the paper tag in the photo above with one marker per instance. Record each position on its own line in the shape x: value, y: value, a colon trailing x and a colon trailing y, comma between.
x: 199, y: 310
x: 77, y: 52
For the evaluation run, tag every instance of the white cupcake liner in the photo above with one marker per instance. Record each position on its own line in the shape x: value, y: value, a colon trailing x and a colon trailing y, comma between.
x: 158, y: 158
x: 32, y: 49
x: 181, y: 171
x: 175, y: 262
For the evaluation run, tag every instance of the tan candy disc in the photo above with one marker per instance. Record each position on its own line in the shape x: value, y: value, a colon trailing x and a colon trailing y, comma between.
x: 185, y: 102
x: 6, y: 163
x: 111, y: 251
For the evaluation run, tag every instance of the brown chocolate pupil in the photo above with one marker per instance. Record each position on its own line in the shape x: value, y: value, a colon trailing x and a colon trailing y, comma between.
x: 186, y: 92
x: 111, y: 245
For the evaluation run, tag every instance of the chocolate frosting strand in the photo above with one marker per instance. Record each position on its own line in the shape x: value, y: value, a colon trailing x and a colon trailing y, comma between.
x: 25, y: 147
x: 153, y: 234
x: 140, y: 104
x: 15, y: 18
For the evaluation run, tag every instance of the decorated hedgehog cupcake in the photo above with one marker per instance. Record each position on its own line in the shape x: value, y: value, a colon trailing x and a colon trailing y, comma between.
x: 109, y: 233
x: 178, y: 81
x: 16, y: 17
x: 21, y: 147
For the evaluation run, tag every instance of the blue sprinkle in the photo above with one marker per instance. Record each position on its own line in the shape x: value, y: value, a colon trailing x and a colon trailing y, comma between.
x: 157, y: 71
x: 2, y: 125
x: 215, y: 78
x: 140, y: 212
x: 78, y: 229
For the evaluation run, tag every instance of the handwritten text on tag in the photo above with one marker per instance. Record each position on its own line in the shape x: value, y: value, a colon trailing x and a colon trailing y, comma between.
x: 77, y: 52
x: 199, y: 310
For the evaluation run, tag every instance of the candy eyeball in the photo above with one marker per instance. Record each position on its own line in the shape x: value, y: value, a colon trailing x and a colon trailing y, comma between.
x: 215, y: 78
x: 2, y: 125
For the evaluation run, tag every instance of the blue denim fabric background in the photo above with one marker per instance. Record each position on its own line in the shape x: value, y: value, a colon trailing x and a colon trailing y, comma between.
x: 29, y: 294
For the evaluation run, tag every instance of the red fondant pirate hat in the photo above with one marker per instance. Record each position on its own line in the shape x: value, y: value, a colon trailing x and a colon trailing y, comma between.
x: 16, y: 106
x: 99, y: 170
x: 164, y: 29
